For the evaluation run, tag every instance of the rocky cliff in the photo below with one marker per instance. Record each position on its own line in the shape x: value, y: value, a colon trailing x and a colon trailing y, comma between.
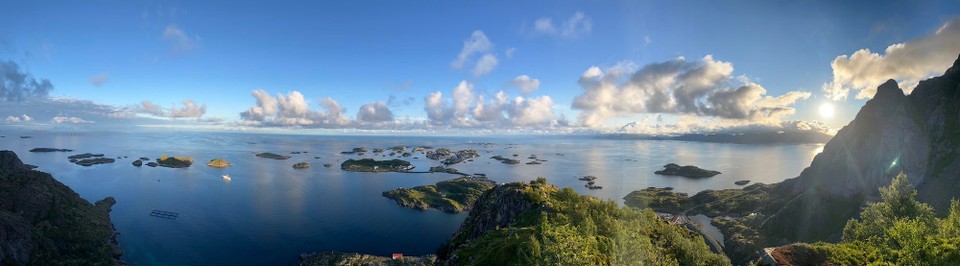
x: 44, y: 222
x: 918, y: 134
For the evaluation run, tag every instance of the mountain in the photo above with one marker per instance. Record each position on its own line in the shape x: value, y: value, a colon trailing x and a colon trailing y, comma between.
x: 44, y: 222
x: 782, y: 137
x: 540, y: 224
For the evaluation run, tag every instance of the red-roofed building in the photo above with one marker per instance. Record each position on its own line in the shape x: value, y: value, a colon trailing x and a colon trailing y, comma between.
x: 397, y: 256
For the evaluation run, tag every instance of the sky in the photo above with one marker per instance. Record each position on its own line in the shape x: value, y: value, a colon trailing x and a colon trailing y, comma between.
x: 649, y: 67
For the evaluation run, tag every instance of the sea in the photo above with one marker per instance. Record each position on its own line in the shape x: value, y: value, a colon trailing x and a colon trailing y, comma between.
x: 269, y: 213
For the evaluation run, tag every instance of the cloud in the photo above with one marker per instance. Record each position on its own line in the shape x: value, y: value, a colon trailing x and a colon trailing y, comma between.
x: 485, y: 64
x: 396, y: 102
x: 525, y: 84
x: 99, y: 80
x: 189, y: 109
x: 293, y: 110
x: 509, y: 52
x: 577, y: 25
x: 147, y: 107
x: 16, y: 86
x: 179, y: 41
x: 465, y: 109
x: 376, y: 112
x: 478, y: 43
x: 908, y: 63
x: 679, y: 86
x: 61, y: 119
x: 18, y: 119
x: 647, y: 40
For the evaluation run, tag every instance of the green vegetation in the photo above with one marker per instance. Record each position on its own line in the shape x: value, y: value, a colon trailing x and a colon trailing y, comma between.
x: 454, y: 195
x: 340, y: 258
x: 658, y: 199
x: 175, y: 162
x: 371, y: 165
x: 560, y: 227
x: 899, y: 230
x: 219, y: 163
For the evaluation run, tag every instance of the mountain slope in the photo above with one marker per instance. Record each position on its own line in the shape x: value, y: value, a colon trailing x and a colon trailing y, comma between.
x: 44, y: 222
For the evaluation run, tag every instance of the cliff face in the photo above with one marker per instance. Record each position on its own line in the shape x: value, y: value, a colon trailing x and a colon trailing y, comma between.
x: 917, y: 133
x: 43, y: 222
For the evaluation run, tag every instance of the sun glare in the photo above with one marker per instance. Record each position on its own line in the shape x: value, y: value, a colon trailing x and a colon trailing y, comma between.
x: 826, y: 110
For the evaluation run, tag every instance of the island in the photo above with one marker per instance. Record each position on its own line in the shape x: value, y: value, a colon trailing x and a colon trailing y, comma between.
x: 49, y: 150
x: 374, y: 166
x: 690, y: 171
x: 137, y: 163
x: 358, y: 150
x: 505, y: 160
x: 89, y: 159
x: 327, y: 165
x: 301, y: 165
x: 446, y: 156
x: 174, y: 162
x: 742, y: 182
x: 454, y: 195
x: 270, y: 155
x: 219, y: 163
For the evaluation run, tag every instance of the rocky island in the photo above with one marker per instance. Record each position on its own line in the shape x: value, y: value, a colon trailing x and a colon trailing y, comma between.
x: 448, y: 157
x: 454, y: 195
x: 89, y: 159
x: 505, y: 160
x: 274, y: 156
x: 44, y: 222
x: 374, y: 166
x: 301, y: 165
x: 219, y: 163
x: 49, y: 150
x: 174, y: 162
x: 686, y: 171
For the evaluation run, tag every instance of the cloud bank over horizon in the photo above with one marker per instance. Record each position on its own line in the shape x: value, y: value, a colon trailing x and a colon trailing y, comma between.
x: 908, y: 63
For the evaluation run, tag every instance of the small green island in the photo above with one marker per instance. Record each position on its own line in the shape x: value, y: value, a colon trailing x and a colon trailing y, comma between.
x: 219, y: 163
x: 174, y: 162
x: 374, y: 166
x: 301, y: 165
x: 270, y: 155
x: 686, y: 171
x: 454, y: 195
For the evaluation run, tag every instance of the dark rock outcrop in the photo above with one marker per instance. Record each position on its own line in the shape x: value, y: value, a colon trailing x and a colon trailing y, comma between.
x: 49, y: 150
x: 686, y: 171
x: 371, y: 165
x: 274, y: 156
x: 44, y: 222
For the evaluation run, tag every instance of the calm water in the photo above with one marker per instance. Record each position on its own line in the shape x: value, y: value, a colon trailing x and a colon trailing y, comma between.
x: 269, y: 212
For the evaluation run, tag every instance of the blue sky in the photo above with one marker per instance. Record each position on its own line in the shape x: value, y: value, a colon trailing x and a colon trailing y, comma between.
x: 358, y: 52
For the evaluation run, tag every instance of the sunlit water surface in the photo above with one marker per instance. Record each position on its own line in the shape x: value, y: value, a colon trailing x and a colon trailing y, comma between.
x: 269, y: 213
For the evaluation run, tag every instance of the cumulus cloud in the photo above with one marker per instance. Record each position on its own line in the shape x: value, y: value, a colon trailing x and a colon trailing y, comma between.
x: 509, y: 52
x: 525, y: 84
x: 697, y: 88
x: 477, y: 43
x: 18, y: 119
x: 908, y: 63
x: 189, y: 109
x: 293, y: 110
x: 485, y: 64
x: 577, y: 25
x: 17, y: 86
x: 464, y: 108
x: 376, y: 112
x: 179, y: 41
x: 147, y: 107
x: 62, y: 119
x: 99, y: 80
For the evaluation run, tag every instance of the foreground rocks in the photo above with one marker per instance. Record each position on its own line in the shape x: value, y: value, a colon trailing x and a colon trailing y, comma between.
x: 342, y: 258
x: 686, y: 171
x: 454, y: 195
x: 44, y: 222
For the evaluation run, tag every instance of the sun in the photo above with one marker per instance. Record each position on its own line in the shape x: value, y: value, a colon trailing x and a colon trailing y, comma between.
x: 826, y: 110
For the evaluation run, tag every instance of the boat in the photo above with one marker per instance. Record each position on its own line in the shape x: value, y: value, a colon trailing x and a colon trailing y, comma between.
x: 226, y: 177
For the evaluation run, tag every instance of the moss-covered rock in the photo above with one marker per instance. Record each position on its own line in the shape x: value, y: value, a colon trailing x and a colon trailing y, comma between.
x: 454, y: 195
